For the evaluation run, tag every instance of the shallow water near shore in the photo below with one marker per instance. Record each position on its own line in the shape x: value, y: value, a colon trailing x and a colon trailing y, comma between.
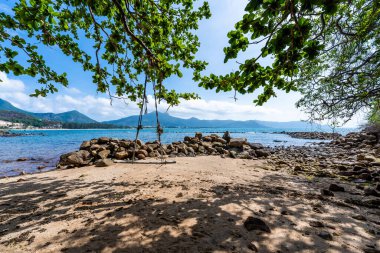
x: 42, y: 148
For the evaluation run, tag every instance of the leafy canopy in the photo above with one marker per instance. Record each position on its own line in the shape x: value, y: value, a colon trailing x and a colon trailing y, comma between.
x: 327, y: 49
x: 128, y: 39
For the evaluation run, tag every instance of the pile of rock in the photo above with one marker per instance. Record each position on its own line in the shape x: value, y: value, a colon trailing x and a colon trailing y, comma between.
x: 355, y: 157
x: 312, y: 135
x: 97, y: 151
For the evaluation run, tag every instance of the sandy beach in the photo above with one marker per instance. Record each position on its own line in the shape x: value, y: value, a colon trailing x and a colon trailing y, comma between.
x: 196, y: 205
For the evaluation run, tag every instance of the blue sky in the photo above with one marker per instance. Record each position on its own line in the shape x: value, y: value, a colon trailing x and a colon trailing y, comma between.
x: 81, y: 94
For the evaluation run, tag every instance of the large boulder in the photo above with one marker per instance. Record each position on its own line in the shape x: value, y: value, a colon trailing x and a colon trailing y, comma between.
x: 237, y: 142
x: 75, y: 159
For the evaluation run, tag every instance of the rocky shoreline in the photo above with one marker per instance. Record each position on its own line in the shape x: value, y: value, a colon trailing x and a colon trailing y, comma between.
x: 354, y: 157
x: 311, y: 135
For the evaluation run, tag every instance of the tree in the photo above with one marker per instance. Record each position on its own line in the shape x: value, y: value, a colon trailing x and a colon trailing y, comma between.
x: 130, y: 39
x: 327, y: 49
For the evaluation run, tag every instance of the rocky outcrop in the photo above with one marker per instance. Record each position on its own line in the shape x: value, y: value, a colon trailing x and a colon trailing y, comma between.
x: 354, y: 157
x: 312, y: 135
x: 106, y: 148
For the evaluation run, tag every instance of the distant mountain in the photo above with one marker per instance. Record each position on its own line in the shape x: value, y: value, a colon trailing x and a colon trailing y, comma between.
x: 294, y: 125
x: 169, y: 121
x: 66, y: 117
x: 149, y: 120
x: 6, y: 106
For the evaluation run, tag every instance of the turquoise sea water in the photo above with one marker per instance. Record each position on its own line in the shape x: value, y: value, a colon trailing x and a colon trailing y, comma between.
x: 43, y: 147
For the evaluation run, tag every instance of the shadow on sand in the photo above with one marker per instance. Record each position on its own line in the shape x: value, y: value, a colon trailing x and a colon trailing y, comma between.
x: 118, y: 217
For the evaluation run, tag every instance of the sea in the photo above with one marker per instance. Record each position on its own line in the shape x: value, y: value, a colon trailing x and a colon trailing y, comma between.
x: 41, y: 149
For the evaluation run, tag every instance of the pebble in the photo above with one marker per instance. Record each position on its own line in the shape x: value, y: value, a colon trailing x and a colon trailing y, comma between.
x: 325, y: 235
x: 253, y: 247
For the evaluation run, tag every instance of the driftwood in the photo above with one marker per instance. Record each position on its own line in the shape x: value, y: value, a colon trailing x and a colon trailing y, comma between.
x: 144, y: 162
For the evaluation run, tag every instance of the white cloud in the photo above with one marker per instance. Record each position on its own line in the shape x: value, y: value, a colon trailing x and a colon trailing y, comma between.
x: 100, y: 108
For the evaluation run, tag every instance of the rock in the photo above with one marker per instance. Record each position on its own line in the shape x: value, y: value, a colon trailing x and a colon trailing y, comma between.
x: 22, y: 159
x: 336, y: 188
x: 326, y: 192
x: 316, y: 224
x: 122, y: 155
x: 325, y: 235
x: 141, y: 156
x: 233, y: 154
x: 244, y: 155
x: 262, y: 153
x: 227, y: 136
x: 142, y: 152
x: 371, y: 192
x: 103, y: 140
x: 85, y: 145
x: 79, y: 158
x: 252, y: 247
x: 104, y: 154
x: 378, y: 187
x: 252, y: 223
x: 198, y: 135
x: 237, y: 142
x: 140, y: 142
x: 359, y: 217
x: 104, y: 163
x: 256, y: 146
x: 207, y: 138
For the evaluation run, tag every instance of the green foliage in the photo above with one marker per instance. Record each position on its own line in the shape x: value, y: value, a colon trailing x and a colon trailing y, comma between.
x: 315, y: 45
x: 129, y: 39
